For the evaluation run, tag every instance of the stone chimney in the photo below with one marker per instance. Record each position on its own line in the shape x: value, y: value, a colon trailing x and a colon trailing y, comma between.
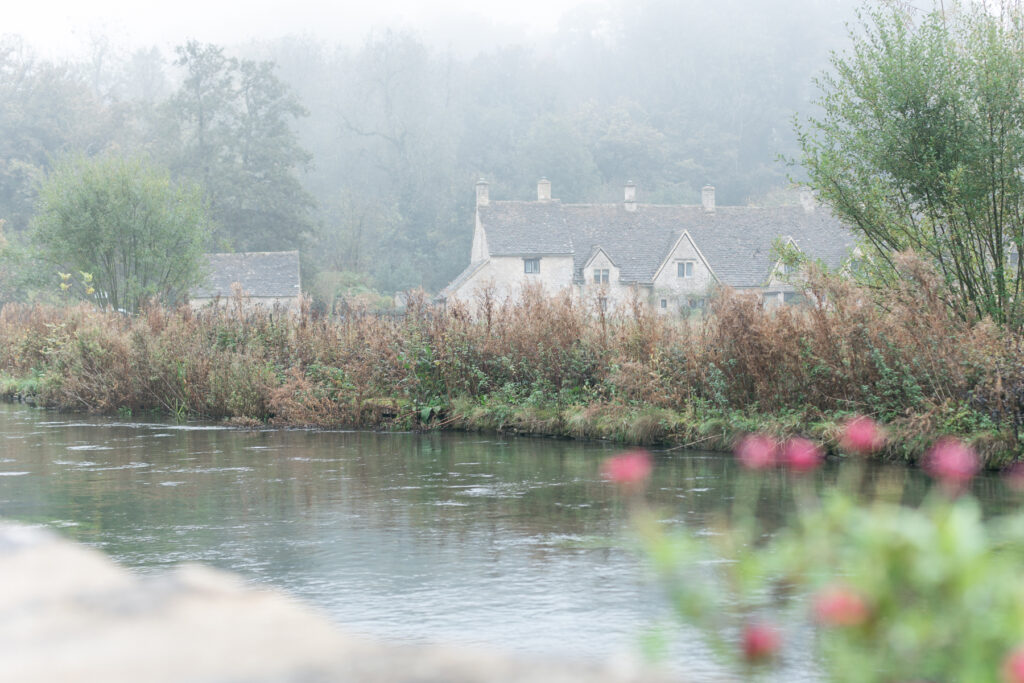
x: 543, y: 190
x: 807, y: 199
x: 707, y: 198
x: 483, y: 195
x: 630, y: 202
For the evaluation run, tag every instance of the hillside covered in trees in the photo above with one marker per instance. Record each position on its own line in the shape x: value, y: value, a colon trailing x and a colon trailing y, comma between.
x: 364, y: 157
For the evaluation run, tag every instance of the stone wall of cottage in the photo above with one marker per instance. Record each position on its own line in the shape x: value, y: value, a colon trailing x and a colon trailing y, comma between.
x: 781, y: 289
x: 614, y: 294
x: 507, y: 274
x: 678, y: 291
x: 479, y: 251
x: 288, y: 303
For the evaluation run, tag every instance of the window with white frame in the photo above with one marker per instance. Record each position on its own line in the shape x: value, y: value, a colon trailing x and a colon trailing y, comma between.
x: 600, y: 276
x: 602, y: 301
x: 684, y: 268
x: 531, y: 265
x: 664, y: 303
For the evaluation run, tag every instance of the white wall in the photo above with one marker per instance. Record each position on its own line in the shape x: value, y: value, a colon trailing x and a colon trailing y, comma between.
x: 479, y: 251
x: 617, y: 293
x: 507, y: 276
x: 678, y: 290
x: 290, y: 303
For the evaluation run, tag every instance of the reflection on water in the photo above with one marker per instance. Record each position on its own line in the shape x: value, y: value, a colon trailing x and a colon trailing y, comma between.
x: 515, y: 543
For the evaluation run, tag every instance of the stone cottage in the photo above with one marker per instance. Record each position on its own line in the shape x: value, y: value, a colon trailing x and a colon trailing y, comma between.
x: 267, y: 278
x: 672, y: 255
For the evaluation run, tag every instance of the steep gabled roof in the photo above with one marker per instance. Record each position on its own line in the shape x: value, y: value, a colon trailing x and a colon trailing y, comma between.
x: 636, y: 241
x: 685, y: 236
x: 259, y: 273
x: 735, y: 240
x: 515, y: 228
x: 597, y: 249
x: 742, y: 252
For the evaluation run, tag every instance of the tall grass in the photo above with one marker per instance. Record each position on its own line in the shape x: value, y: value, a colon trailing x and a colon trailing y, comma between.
x: 542, y: 364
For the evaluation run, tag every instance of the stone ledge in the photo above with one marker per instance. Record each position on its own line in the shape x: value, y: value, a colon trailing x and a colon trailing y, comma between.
x: 68, y: 613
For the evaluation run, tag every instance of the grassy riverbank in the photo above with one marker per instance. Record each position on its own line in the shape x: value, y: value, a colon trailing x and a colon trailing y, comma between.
x: 545, y: 366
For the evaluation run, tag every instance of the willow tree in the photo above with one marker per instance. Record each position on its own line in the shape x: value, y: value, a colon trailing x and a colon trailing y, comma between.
x: 123, y: 221
x: 920, y: 145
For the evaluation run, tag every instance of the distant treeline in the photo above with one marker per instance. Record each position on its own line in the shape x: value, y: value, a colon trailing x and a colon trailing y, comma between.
x: 365, y: 158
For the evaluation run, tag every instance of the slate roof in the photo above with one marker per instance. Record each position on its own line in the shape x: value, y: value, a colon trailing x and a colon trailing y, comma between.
x: 513, y: 227
x: 735, y: 240
x: 260, y: 274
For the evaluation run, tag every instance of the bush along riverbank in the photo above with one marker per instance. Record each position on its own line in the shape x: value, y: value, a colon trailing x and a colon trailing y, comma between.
x: 858, y: 578
x: 554, y: 366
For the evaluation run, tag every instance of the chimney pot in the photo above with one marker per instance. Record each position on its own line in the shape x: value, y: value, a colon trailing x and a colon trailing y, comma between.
x: 483, y: 197
x: 630, y: 199
x: 707, y: 198
x: 543, y: 190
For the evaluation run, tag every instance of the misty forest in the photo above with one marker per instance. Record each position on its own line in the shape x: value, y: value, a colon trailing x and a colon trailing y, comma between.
x: 364, y: 157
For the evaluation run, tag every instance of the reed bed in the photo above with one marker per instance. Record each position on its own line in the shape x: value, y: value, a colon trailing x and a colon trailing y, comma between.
x: 548, y: 365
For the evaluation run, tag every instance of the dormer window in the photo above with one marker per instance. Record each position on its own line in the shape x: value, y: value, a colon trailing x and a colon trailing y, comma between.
x: 531, y: 265
x: 600, y: 276
x: 684, y: 268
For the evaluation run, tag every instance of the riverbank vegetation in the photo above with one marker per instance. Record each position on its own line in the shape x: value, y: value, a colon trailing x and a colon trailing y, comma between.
x: 546, y: 365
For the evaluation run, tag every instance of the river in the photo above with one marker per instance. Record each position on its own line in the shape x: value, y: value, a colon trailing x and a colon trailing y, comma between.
x: 509, y: 542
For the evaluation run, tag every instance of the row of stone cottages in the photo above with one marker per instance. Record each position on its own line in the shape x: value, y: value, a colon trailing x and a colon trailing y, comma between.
x: 672, y: 255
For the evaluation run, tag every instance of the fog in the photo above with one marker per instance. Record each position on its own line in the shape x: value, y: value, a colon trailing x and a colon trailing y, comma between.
x: 356, y: 136
x: 63, y: 29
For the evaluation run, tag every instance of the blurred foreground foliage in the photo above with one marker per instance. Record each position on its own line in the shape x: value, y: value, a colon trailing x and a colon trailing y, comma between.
x: 876, y: 587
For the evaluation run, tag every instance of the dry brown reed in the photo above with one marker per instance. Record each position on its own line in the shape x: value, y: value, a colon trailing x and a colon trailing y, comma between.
x: 844, y: 351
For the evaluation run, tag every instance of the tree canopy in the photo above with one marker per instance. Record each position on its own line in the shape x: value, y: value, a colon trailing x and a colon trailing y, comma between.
x: 124, y: 223
x: 231, y: 123
x: 378, y: 177
x: 921, y: 146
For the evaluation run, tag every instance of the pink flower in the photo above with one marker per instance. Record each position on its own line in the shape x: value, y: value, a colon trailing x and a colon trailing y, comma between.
x: 801, y: 455
x: 761, y: 642
x: 756, y: 451
x: 628, y: 469
x: 1013, y: 666
x: 838, y: 605
x: 862, y: 435
x: 952, y: 462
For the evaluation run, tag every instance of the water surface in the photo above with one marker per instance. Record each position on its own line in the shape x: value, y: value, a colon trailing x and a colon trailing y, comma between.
x: 515, y: 543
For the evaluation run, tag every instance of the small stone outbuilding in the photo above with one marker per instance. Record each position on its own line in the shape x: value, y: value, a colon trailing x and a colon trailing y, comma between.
x: 268, y: 279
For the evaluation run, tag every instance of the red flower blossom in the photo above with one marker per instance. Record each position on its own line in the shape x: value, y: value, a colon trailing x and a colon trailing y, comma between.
x: 628, y: 469
x: 862, y: 435
x: 1013, y: 666
x: 801, y: 455
x: 757, y: 451
x: 953, y: 463
x: 838, y: 605
x: 761, y: 642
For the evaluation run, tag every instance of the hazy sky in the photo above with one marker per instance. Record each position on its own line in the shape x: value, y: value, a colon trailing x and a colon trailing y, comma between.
x: 64, y: 27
